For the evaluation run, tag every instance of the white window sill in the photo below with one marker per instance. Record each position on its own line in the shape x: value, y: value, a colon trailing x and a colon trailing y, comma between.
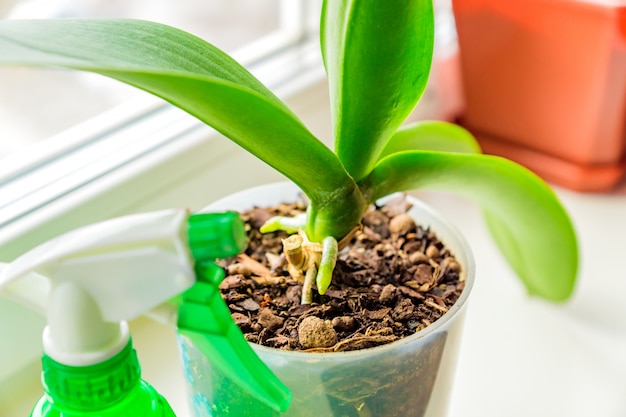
x: 519, y: 356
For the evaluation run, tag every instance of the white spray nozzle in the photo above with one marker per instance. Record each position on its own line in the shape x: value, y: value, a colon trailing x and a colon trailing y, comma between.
x: 91, y: 279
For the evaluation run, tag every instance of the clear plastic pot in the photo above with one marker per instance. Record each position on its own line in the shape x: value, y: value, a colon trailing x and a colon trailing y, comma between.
x: 410, y: 377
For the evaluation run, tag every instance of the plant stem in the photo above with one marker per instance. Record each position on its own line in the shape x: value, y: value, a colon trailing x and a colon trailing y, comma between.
x: 335, y: 215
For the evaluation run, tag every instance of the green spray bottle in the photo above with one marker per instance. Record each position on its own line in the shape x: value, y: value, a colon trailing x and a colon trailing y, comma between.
x: 90, y: 281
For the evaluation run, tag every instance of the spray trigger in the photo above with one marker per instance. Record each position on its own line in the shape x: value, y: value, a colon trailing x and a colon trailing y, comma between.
x: 204, y: 318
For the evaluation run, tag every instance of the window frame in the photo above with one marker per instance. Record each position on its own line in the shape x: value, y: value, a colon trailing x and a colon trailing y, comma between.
x: 64, y: 172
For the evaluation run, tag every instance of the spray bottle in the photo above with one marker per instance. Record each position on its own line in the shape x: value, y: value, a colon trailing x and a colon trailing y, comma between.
x: 90, y: 281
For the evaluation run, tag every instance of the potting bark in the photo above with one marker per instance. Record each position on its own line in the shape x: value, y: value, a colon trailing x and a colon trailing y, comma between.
x: 394, y: 279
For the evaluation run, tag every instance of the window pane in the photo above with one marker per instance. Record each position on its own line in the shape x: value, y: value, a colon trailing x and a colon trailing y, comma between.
x: 36, y: 104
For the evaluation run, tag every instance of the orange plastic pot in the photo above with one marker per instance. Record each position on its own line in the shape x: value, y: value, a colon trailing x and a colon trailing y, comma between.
x: 545, y: 85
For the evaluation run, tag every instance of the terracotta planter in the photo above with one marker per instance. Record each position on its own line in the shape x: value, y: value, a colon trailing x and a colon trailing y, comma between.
x: 545, y: 85
x: 372, y: 382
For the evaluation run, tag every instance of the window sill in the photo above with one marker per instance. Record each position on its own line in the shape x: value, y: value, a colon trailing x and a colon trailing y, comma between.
x: 542, y: 359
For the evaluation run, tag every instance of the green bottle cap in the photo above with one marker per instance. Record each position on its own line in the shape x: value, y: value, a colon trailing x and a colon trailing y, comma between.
x: 94, y: 387
x: 216, y: 235
x: 107, y: 389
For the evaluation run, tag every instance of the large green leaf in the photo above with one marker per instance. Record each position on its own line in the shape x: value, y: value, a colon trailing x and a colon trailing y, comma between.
x: 431, y: 135
x: 525, y: 217
x: 377, y: 56
x: 191, y: 74
x: 121, y: 44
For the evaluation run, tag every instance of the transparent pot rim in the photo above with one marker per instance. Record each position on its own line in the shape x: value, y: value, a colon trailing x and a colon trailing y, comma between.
x: 278, y: 192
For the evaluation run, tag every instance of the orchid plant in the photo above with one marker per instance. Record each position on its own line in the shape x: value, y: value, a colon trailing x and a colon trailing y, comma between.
x: 377, y: 56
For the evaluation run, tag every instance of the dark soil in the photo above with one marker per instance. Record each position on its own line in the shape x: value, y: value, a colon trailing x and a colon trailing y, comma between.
x: 391, y: 281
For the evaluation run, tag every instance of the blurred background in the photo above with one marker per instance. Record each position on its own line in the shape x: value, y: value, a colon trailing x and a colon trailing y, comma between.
x: 35, y: 104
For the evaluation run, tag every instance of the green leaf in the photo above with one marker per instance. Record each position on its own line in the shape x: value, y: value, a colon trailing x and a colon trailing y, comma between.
x: 525, y: 217
x: 431, y: 135
x: 120, y: 44
x: 377, y: 55
x: 189, y: 73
